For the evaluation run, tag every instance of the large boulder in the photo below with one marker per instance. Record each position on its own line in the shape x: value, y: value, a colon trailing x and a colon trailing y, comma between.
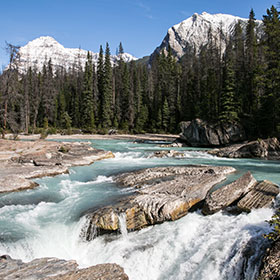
x: 199, y: 133
x: 226, y: 195
x: 161, y: 194
x: 56, y: 269
x: 267, y: 149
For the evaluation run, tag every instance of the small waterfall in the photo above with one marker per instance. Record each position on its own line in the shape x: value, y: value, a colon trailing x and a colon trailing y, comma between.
x: 88, y: 231
x: 122, y: 224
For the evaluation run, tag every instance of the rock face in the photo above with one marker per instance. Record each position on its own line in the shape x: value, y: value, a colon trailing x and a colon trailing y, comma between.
x: 268, y: 149
x: 226, y: 195
x: 21, y: 161
x: 199, y: 133
x: 162, y: 194
x: 270, y: 269
x: 262, y: 195
x: 56, y: 269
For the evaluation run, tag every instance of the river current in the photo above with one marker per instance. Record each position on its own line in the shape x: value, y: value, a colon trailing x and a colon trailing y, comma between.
x: 47, y: 221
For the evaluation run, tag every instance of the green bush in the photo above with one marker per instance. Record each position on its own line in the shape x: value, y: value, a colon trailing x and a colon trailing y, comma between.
x: 275, y: 222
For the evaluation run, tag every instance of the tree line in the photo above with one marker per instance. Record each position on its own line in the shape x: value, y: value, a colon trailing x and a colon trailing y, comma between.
x: 240, y: 84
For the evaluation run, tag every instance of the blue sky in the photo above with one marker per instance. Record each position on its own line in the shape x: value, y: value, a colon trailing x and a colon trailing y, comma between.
x: 139, y: 24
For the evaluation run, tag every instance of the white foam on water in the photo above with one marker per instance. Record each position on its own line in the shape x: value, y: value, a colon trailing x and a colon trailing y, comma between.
x: 194, y: 247
x: 127, y: 156
x: 69, y: 187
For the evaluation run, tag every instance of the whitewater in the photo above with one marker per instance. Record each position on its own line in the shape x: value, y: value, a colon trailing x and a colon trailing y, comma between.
x: 48, y: 221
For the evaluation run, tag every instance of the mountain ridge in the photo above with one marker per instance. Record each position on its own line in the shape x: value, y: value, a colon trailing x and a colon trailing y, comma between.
x: 188, y: 35
x: 37, y: 52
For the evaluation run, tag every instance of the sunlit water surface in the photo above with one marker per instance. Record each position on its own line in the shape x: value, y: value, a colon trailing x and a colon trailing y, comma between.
x: 47, y: 221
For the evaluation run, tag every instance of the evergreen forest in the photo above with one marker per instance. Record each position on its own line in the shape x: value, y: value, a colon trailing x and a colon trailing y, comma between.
x: 238, y: 84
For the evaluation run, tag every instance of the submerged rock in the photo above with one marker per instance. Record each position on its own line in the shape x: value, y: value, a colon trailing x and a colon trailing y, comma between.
x: 262, y: 195
x: 162, y: 194
x: 226, y: 195
x: 56, y: 269
x: 199, y: 133
x: 267, y: 149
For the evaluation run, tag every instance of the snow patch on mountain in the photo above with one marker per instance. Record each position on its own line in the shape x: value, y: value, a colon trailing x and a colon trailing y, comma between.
x: 193, y: 33
x: 38, y: 52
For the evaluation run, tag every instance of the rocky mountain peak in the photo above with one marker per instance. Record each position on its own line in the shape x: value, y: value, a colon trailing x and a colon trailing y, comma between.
x: 193, y: 33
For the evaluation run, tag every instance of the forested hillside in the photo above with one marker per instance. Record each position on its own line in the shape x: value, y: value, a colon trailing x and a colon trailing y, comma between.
x: 240, y: 85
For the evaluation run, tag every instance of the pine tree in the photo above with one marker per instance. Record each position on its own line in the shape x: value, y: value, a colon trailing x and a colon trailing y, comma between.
x: 228, y: 113
x: 87, y: 101
x: 100, y: 82
x: 106, y: 97
x: 270, y: 101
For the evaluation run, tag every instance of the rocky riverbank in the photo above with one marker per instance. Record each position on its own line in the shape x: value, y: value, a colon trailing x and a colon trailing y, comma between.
x: 22, y: 161
x: 56, y: 269
x: 265, y: 149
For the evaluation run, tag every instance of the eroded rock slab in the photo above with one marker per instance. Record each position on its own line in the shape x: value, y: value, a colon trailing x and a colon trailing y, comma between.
x: 262, y: 195
x: 267, y: 149
x: 226, y: 195
x: 162, y: 194
x: 56, y: 269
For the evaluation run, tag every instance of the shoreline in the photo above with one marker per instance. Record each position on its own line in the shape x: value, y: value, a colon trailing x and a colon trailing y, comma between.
x: 144, y: 137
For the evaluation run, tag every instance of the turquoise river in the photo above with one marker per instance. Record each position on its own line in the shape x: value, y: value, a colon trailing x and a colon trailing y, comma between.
x: 47, y: 221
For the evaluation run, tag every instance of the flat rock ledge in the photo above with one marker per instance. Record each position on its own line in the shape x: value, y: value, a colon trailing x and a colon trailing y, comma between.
x: 56, y: 269
x: 245, y: 191
x: 270, y: 268
x: 161, y: 194
x: 266, y: 149
x: 22, y: 161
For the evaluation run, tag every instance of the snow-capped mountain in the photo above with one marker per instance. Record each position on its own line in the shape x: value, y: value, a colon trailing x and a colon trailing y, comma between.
x: 193, y: 33
x: 38, y: 52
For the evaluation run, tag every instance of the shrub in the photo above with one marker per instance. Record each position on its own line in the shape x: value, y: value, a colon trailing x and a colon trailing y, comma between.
x: 275, y: 222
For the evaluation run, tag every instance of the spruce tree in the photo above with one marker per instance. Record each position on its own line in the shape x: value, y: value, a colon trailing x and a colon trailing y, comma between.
x: 106, y: 97
x: 270, y: 101
x: 87, y: 97
x: 229, y: 112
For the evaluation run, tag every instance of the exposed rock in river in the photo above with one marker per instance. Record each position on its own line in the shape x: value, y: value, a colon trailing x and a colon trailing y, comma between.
x: 56, y: 269
x: 168, y: 154
x: 267, y: 149
x: 162, y: 194
x: 262, y: 195
x: 22, y: 161
x: 246, y: 191
x: 226, y: 195
x: 199, y: 133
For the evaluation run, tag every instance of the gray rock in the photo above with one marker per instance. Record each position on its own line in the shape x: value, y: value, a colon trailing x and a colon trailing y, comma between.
x: 226, y: 195
x: 199, y: 133
x: 270, y: 268
x: 262, y: 195
x: 163, y: 194
x: 168, y: 154
x: 56, y: 269
x: 268, y: 149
